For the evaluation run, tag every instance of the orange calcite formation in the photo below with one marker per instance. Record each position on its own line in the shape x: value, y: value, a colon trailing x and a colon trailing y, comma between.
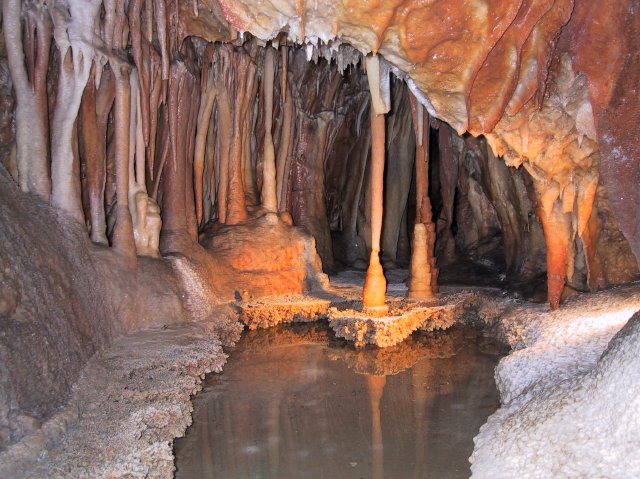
x: 375, y: 284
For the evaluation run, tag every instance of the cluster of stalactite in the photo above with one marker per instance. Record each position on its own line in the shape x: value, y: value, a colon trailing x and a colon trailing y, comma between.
x: 124, y: 117
x: 490, y: 68
x: 144, y: 122
x: 150, y: 121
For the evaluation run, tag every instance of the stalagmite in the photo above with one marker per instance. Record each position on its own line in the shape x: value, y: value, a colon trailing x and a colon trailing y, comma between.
x: 375, y: 286
x: 269, y: 190
x: 423, y: 276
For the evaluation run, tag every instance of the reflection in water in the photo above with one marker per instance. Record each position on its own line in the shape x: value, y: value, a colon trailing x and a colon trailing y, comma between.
x: 295, y: 402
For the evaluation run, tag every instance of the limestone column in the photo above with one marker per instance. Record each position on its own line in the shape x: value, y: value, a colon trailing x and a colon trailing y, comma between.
x: 424, y: 274
x: 375, y: 286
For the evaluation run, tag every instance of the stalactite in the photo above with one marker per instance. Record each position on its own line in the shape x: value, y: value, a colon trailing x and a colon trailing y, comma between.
x: 236, y: 206
x: 142, y: 66
x: 250, y: 128
x: 284, y: 61
x: 375, y: 285
x: 448, y: 181
x: 94, y: 113
x: 204, y: 117
x: 400, y: 147
x: 269, y: 185
x: 189, y: 133
x: 161, y: 30
x: 122, y: 240
x: 210, y: 178
x: 155, y: 100
x: 588, y: 228
x: 165, y: 145
x: 76, y: 57
x: 557, y: 232
x: 286, y: 139
x: 224, y: 84
x: 31, y: 114
x: 178, y: 225
x: 145, y: 213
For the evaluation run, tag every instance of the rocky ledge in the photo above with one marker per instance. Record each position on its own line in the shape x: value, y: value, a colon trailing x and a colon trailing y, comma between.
x: 129, y: 404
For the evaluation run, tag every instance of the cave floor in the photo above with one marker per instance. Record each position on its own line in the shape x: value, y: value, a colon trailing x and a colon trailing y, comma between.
x: 134, y: 398
x: 341, y: 305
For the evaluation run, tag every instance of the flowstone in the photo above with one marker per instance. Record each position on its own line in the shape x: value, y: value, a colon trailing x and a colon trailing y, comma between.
x: 402, y: 318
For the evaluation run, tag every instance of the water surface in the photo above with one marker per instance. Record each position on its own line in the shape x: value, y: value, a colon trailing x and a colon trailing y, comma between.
x: 294, y: 402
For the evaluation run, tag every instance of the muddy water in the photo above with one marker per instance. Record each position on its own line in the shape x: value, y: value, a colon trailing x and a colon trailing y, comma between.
x: 294, y: 402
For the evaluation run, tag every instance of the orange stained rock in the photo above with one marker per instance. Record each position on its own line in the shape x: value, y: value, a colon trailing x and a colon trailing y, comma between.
x: 496, y: 81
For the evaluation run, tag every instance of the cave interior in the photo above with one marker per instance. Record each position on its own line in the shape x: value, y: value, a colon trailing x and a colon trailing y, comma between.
x: 166, y: 163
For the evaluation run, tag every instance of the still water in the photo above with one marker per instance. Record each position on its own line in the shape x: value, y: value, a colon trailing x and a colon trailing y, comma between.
x: 294, y: 402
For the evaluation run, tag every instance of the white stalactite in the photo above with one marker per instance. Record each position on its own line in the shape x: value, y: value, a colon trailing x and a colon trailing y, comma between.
x: 74, y: 25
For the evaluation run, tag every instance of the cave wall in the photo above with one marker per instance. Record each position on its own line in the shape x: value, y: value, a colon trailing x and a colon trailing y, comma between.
x: 62, y: 299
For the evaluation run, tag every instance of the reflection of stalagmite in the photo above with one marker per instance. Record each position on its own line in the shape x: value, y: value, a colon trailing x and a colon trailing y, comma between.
x: 375, y: 385
x: 422, y: 283
x: 375, y: 286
